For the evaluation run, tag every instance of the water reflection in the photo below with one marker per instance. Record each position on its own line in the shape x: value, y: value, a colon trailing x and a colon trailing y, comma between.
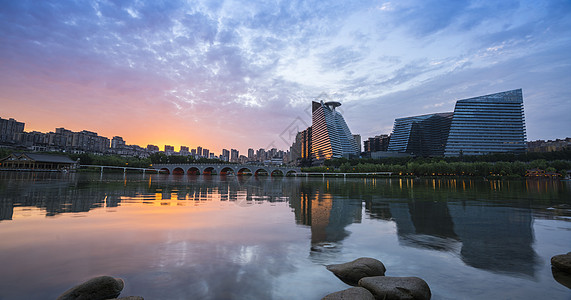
x: 497, y: 239
x: 425, y: 225
x: 61, y: 193
x: 216, y: 237
x: 315, y: 206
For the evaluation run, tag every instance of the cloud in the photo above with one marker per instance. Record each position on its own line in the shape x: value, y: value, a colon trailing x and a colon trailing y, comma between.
x: 265, y: 61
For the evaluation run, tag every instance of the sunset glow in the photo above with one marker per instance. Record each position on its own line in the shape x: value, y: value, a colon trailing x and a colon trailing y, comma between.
x: 240, y: 74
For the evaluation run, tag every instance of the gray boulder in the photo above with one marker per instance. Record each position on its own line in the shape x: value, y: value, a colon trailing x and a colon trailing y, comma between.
x: 354, y: 293
x: 396, y: 288
x: 98, y: 288
x: 353, y: 271
x: 562, y: 262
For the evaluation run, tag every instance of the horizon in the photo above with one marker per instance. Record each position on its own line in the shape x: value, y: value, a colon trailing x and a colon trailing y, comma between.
x: 240, y: 75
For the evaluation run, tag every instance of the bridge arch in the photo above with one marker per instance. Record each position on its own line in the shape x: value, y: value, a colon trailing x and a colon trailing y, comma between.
x: 221, y: 168
x: 193, y: 171
x: 209, y: 171
x: 277, y: 172
x: 262, y: 172
x: 227, y: 170
x: 178, y: 171
x: 290, y: 172
x: 244, y: 171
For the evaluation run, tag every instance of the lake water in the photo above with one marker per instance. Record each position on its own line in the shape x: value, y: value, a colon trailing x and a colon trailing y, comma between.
x: 215, y: 237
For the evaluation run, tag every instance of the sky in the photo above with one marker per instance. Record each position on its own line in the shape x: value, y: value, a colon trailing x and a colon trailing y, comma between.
x: 242, y: 74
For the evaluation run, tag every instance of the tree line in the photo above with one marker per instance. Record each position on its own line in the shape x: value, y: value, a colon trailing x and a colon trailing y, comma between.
x: 504, y: 164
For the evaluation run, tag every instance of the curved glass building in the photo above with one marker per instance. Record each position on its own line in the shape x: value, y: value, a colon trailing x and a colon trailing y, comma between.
x: 330, y: 137
x: 488, y: 124
x: 424, y: 135
x: 481, y: 125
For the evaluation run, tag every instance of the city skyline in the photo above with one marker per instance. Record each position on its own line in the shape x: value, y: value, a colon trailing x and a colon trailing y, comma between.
x: 212, y: 75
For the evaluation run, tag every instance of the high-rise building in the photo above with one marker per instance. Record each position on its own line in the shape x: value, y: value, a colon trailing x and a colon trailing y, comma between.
x: 488, y: 124
x: 205, y: 153
x: 261, y: 154
x: 295, y: 150
x: 117, y: 142
x: 306, y: 144
x: 424, y: 135
x: 377, y: 143
x: 357, y: 138
x: 225, y: 155
x: 169, y: 150
x: 9, y: 128
x: 184, y: 151
x: 153, y: 148
x: 234, y: 155
x: 199, y: 151
x: 251, y: 154
x: 331, y: 137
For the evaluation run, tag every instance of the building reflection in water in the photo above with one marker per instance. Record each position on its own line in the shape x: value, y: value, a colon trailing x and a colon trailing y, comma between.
x: 488, y: 236
x: 327, y: 214
x: 489, y: 225
x: 56, y: 193
x: 425, y: 224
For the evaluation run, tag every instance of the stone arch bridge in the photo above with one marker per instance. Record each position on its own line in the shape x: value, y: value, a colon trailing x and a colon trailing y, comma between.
x: 225, y: 169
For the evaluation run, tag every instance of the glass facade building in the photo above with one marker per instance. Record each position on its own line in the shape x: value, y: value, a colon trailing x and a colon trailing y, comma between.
x: 488, y: 124
x: 330, y: 136
x: 424, y: 135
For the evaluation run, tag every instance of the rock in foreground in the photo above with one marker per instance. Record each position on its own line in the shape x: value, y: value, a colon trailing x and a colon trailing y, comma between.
x: 98, y: 288
x: 351, y: 294
x: 562, y: 262
x: 353, y: 271
x: 563, y: 278
x: 396, y: 288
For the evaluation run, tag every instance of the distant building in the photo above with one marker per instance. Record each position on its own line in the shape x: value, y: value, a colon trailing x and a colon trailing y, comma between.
x: 488, y: 124
x: 225, y: 155
x: 549, y: 146
x: 377, y: 143
x: 251, y: 154
x: 234, y: 155
x: 36, y: 141
x: 184, y: 151
x: 331, y: 137
x: 199, y: 151
x: 306, y: 143
x: 78, y: 142
x: 117, y: 142
x: 8, y: 130
x: 153, y: 148
x: 357, y: 138
x: 295, y: 151
x: 169, y: 150
x: 205, y: 153
x: 424, y: 135
x: 261, y: 154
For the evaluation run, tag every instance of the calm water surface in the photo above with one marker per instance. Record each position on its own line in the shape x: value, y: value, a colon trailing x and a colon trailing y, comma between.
x: 183, y: 237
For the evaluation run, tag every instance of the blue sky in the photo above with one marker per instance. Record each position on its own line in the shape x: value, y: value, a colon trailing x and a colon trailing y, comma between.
x: 240, y: 74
